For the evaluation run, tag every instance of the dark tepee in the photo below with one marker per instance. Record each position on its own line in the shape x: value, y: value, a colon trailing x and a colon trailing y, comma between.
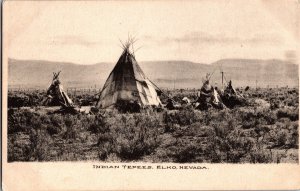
x: 56, y: 94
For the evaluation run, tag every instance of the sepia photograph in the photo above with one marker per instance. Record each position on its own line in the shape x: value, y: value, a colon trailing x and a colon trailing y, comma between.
x: 175, y: 84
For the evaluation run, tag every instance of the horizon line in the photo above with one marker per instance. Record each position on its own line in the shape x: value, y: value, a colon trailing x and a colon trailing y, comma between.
x: 172, y: 60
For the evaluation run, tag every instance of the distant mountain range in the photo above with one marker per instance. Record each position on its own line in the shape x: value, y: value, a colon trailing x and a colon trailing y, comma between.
x: 166, y: 74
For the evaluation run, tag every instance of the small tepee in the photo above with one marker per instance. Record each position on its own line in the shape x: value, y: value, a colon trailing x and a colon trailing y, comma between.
x: 56, y: 94
x: 127, y: 85
x: 209, y: 96
x: 230, y: 89
x: 231, y: 97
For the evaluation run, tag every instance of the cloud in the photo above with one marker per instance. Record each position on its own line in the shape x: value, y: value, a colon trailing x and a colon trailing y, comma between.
x: 196, y: 38
x: 74, y: 40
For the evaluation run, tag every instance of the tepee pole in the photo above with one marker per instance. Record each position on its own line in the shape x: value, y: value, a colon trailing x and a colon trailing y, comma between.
x: 222, y: 79
x: 255, y: 84
x: 161, y: 90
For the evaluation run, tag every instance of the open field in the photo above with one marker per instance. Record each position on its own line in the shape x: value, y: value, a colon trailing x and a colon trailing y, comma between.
x: 264, y: 131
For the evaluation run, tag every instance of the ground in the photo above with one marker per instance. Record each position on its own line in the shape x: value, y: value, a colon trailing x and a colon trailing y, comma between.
x: 263, y: 131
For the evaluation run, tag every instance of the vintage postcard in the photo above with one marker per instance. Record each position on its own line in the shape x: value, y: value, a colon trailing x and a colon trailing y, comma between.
x: 150, y: 95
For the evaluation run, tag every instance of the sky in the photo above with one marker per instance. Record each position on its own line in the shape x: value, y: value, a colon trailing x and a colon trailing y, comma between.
x: 88, y: 32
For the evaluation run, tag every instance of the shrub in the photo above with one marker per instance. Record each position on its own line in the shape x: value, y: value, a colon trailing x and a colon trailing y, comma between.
x: 231, y: 147
x: 291, y: 113
x: 184, y: 117
x: 258, y: 116
x: 21, y: 120
x: 260, y: 156
x: 25, y: 99
x: 186, y: 153
x: 72, y: 127
x: 40, y: 143
x: 98, y: 124
x: 238, y: 135
x: 293, y: 136
x: 56, y: 124
x: 105, y: 145
x: 135, y: 136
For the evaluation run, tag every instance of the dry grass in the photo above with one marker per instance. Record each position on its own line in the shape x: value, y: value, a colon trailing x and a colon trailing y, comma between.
x: 250, y: 134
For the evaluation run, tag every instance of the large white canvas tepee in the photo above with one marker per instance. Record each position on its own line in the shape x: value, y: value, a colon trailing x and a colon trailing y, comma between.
x: 128, y: 83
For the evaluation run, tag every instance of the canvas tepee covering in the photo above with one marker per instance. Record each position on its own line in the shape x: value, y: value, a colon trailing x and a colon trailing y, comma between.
x: 230, y: 89
x: 56, y: 94
x: 127, y: 82
x: 231, y: 97
x: 209, y: 96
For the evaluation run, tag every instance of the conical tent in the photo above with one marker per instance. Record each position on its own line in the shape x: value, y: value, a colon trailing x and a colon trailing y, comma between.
x: 209, y: 96
x: 231, y: 97
x: 128, y: 83
x: 230, y: 89
x: 208, y: 93
x: 56, y: 94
